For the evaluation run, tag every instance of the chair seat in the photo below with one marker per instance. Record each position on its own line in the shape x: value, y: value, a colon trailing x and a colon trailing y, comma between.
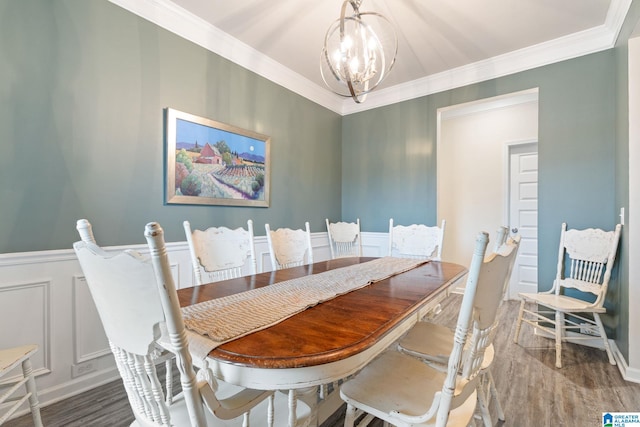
x: 12, y: 357
x: 434, y: 343
x: 399, y: 382
x: 430, y: 341
x: 11, y: 397
x: 562, y: 303
x: 235, y: 398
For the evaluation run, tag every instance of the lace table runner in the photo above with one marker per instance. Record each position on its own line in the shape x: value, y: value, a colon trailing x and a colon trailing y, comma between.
x: 225, y: 319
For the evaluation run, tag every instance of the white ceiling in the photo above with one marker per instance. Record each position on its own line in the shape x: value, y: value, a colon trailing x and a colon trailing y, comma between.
x: 441, y: 43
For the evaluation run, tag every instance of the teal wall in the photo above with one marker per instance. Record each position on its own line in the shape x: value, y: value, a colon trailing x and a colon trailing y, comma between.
x: 389, y: 154
x: 389, y: 165
x: 83, y: 85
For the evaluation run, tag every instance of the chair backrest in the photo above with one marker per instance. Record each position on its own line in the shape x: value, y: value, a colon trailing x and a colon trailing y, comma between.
x: 344, y: 239
x: 501, y: 237
x: 219, y: 253
x: 503, y: 245
x: 289, y: 248
x: 493, y: 281
x: 477, y: 320
x: 585, y: 260
x: 416, y: 241
x: 135, y: 297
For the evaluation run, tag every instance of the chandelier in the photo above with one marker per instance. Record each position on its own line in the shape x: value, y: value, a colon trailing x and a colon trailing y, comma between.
x: 357, y: 55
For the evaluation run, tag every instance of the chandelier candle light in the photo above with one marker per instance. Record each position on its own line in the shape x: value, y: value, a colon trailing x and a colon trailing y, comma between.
x: 357, y: 55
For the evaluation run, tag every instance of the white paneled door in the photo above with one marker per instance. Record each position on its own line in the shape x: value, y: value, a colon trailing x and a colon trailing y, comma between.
x: 523, y: 215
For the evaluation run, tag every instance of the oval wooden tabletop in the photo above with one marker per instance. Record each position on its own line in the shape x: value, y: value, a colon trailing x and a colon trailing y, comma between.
x: 335, y: 329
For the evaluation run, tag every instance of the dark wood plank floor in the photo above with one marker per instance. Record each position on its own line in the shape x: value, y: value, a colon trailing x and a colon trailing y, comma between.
x: 533, y: 392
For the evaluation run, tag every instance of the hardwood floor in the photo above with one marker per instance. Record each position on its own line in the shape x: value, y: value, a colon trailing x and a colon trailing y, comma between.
x: 532, y: 391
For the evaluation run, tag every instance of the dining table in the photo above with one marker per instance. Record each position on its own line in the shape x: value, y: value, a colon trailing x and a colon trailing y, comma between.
x: 329, y: 340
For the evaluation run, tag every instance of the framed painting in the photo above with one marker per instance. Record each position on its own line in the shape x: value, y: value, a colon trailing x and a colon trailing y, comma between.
x: 213, y: 163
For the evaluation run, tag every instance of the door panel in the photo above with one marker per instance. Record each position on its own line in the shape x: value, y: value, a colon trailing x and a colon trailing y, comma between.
x: 523, y: 216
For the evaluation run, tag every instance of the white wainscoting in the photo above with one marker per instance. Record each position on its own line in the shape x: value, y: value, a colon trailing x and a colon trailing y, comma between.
x: 44, y: 300
x: 25, y: 317
x: 88, y: 343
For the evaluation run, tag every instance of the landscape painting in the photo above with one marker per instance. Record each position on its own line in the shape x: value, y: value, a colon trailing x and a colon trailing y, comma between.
x: 213, y: 163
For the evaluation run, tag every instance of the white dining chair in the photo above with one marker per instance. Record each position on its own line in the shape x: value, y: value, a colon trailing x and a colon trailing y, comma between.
x: 416, y: 241
x: 136, y: 299
x: 433, y: 343
x: 220, y: 253
x: 404, y: 391
x: 12, y: 360
x: 344, y: 238
x: 288, y: 247
x: 585, y: 261
x: 85, y: 230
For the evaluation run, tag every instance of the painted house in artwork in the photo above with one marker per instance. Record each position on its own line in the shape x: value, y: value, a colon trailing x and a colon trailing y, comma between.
x: 210, y: 155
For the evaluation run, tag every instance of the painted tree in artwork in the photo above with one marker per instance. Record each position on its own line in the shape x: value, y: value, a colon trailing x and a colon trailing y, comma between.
x: 191, y: 185
x: 183, y: 157
x: 222, y: 147
x: 226, y: 157
x: 181, y: 173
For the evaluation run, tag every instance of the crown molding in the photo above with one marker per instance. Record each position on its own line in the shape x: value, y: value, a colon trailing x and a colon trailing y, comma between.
x: 489, y: 104
x: 169, y: 16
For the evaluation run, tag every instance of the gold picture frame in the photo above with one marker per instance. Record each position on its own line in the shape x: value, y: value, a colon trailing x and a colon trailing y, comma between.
x: 213, y: 163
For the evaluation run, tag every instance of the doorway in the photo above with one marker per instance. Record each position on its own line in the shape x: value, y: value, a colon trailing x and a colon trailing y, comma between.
x: 473, y: 167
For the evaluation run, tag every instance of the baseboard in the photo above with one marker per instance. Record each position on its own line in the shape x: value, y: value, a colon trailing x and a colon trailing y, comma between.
x: 629, y: 374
